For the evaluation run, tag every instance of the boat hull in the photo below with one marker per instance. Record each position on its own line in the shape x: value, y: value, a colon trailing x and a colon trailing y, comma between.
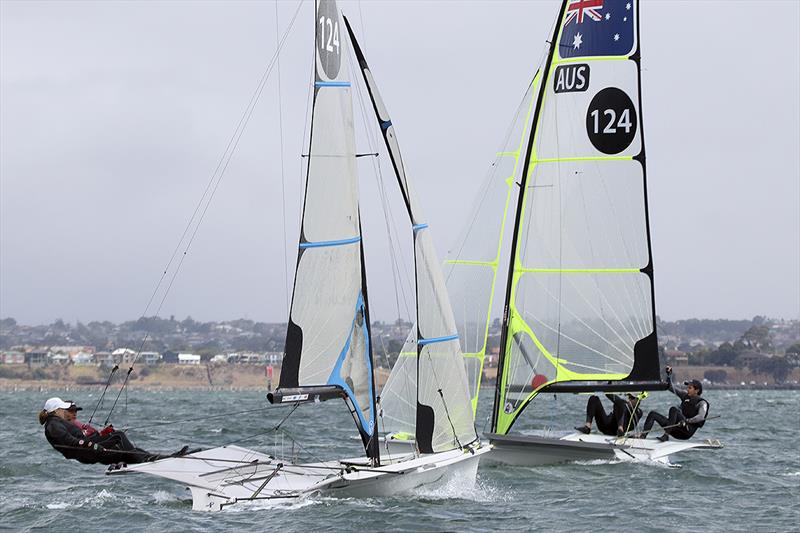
x: 228, y: 475
x: 525, y: 450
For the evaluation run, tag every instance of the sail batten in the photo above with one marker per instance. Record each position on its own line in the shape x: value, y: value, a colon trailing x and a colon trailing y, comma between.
x: 579, y: 304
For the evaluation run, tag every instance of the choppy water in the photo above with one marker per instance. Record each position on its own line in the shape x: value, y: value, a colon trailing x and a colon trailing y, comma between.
x: 752, y: 484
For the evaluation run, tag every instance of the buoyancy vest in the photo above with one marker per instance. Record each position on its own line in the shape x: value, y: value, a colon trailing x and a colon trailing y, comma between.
x: 690, y: 407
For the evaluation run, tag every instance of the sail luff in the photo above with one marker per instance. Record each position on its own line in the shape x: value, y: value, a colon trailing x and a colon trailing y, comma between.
x: 501, y: 362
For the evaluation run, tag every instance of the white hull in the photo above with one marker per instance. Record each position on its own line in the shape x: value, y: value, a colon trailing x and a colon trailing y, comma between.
x: 229, y: 474
x: 522, y: 450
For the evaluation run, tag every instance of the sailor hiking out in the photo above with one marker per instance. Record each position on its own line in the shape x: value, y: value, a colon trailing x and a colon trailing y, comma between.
x: 624, y: 415
x: 107, y: 447
x: 683, y: 421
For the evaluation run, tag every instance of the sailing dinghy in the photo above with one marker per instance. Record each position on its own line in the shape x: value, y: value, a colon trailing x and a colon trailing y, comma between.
x: 328, y: 352
x: 579, y: 313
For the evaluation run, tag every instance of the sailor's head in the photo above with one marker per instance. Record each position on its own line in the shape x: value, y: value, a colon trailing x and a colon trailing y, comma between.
x: 694, y: 387
x: 72, y: 410
x: 56, y: 406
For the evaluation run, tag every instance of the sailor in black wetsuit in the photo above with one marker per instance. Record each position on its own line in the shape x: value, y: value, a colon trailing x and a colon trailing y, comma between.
x: 70, y: 441
x: 683, y: 421
x: 625, y: 415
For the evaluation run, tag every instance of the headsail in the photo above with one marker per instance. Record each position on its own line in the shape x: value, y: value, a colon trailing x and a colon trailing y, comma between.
x: 328, y: 352
x: 579, y: 305
x: 470, y: 275
x: 472, y: 265
x: 444, y: 418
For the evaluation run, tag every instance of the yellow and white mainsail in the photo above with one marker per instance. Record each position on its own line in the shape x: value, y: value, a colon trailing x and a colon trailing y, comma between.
x: 580, y: 311
x: 433, y: 385
x: 328, y: 352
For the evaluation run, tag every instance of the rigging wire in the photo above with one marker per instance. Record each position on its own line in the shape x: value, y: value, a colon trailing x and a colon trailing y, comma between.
x: 99, y: 401
x: 207, y: 197
x: 283, y: 176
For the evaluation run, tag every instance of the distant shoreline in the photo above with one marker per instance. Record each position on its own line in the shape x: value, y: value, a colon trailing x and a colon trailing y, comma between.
x: 7, y: 385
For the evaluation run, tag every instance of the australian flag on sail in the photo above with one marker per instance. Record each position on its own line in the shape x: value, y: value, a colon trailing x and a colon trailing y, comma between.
x: 598, y: 28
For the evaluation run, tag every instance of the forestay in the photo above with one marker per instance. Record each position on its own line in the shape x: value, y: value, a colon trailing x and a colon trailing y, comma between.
x: 580, y: 303
x: 328, y: 344
x: 443, y: 417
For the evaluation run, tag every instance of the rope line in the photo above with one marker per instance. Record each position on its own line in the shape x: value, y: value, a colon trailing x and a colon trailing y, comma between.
x: 207, y: 197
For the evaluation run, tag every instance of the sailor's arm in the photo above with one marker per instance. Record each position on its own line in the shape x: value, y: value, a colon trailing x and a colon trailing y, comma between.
x: 680, y: 393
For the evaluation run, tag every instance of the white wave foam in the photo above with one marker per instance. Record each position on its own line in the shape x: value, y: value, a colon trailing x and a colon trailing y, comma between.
x: 273, y: 505
x: 162, y: 496
x: 596, y: 462
x: 791, y: 474
x: 58, y: 505
x: 98, y: 499
x: 459, y: 488
x: 95, y: 500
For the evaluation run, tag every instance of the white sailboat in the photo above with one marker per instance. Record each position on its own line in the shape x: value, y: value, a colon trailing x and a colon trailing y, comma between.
x: 328, y: 351
x: 579, y: 314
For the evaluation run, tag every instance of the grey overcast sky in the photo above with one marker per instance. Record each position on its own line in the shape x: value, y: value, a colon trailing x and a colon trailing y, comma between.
x: 113, y: 116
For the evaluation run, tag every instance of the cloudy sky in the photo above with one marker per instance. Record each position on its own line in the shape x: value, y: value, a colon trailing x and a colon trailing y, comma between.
x: 114, y: 115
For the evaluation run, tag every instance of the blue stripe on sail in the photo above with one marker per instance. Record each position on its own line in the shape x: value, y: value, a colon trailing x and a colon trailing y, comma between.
x: 336, y: 378
x: 433, y: 340
x: 386, y: 125
x: 321, y: 244
x: 417, y: 227
x: 331, y: 84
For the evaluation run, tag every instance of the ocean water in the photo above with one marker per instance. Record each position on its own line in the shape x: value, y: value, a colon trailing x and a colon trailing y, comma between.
x: 753, y: 484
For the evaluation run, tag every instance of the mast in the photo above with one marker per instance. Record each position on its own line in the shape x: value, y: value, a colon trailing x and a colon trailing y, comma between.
x: 444, y: 417
x: 579, y: 313
x: 517, y: 217
x: 328, y: 351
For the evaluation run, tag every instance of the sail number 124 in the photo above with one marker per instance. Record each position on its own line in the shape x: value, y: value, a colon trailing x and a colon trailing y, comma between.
x: 332, y: 33
x: 611, y: 121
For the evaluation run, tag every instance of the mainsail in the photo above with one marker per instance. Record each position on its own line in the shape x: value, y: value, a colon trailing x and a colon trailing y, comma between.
x: 443, y: 414
x: 580, y: 312
x: 328, y: 352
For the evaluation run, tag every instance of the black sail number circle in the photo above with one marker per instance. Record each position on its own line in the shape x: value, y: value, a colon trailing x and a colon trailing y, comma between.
x: 329, y: 45
x: 611, y: 120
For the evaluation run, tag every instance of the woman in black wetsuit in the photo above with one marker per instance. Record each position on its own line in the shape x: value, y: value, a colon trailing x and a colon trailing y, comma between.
x: 69, y: 440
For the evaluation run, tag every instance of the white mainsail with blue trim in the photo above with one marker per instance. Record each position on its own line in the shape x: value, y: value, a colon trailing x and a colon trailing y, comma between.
x: 327, y: 343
